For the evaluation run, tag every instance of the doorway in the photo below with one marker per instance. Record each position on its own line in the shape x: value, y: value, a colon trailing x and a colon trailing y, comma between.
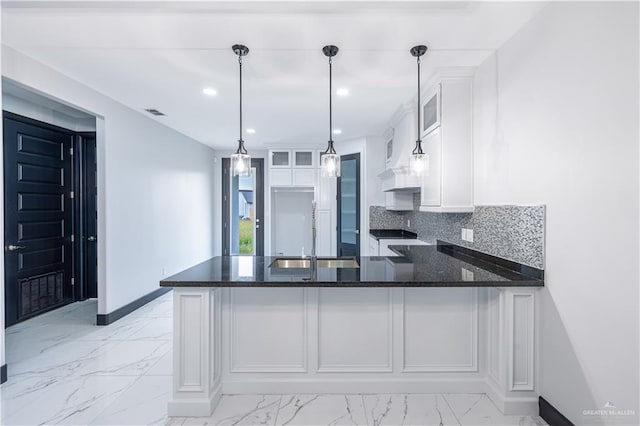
x: 243, y: 210
x: 46, y: 243
x: 349, y: 206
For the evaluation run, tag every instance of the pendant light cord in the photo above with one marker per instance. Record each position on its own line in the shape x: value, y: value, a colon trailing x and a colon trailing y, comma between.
x: 241, y: 147
x: 418, y: 60
x: 418, y: 148
x: 330, y: 102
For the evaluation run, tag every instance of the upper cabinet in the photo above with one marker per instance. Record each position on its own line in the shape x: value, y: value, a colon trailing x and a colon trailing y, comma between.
x: 447, y: 184
x: 289, y: 167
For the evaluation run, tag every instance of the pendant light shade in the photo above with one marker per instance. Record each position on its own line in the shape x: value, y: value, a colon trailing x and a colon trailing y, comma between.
x: 241, y: 160
x: 418, y: 160
x: 330, y: 160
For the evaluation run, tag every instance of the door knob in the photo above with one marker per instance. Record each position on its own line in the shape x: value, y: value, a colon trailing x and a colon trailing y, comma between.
x: 92, y: 238
x: 12, y: 247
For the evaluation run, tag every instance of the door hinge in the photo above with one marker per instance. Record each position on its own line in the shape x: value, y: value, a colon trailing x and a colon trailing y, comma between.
x: 73, y: 281
x: 72, y: 195
x: 71, y: 151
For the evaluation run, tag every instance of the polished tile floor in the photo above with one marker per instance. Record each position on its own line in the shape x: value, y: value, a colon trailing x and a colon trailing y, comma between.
x: 65, y: 370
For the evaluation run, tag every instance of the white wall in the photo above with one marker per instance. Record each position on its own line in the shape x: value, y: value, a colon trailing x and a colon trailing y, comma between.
x: 42, y: 113
x: 155, y: 188
x: 564, y: 132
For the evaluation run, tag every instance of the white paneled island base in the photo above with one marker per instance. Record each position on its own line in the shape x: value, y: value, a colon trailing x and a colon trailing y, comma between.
x: 354, y: 340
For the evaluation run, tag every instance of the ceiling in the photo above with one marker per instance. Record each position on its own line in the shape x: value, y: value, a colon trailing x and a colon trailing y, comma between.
x: 151, y: 54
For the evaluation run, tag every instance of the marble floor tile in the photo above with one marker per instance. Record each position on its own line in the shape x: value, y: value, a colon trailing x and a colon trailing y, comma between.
x: 144, y: 403
x: 160, y: 328
x: 408, y: 410
x: 17, y: 393
x: 164, y: 366
x: 237, y: 410
x: 161, y: 307
x: 122, y: 329
x: 67, y: 358
x: 72, y: 401
x: 321, y: 410
x: 477, y: 409
x: 128, y: 358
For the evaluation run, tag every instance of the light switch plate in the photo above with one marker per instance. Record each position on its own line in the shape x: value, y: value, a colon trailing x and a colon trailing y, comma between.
x: 470, y: 235
x: 464, y: 234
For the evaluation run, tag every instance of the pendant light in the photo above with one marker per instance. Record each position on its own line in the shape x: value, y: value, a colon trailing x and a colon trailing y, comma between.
x: 241, y: 160
x: 330, y: 160
x: 418, y: 159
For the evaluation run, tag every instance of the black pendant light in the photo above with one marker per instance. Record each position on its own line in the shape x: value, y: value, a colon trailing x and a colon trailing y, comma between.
x: 418, y: 157
x: 330, y: 163
x: 241, y: 160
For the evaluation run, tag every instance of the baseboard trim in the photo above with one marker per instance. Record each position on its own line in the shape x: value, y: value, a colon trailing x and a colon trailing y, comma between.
x: 3, y: 373
x: 196, y: 407
x: 522, y: 405
x: 341, y: 386
x: 550, y: 415
x: 106, y: 319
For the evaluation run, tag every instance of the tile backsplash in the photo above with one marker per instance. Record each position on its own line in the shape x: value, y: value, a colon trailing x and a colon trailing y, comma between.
x: 511, y: 232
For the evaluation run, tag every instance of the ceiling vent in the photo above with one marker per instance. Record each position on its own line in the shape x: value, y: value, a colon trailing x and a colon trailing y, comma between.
x: 154, y: 111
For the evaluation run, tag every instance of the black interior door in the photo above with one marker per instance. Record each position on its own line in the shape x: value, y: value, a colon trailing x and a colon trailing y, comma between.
x: 90, y: 216
x: 87, y: 222
x: 38, y: 218
x: 231, y: 193
x: 349, y: 206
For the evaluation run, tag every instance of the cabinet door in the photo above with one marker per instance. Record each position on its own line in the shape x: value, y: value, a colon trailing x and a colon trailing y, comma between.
x: 431, y: 191
x: 280, y: 158
x: 303, y: 159
x: 280, y: 177
x: 304, y: 177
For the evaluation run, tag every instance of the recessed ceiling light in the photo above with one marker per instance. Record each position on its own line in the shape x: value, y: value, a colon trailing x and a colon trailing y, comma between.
x: 251, y: 131
x: 343, y: 91
x: 337, y: 131
x: 210, y: 91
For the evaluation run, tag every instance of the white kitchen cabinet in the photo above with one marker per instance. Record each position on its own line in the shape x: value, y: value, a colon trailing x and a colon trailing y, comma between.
x: 304, y: 177
x: 398, y: 201
x: 373, y: 246
x: 292, y: 168
x: 280, y: 177
x: 304, y: 158
x: 447, y: 185
x: 280, y: 158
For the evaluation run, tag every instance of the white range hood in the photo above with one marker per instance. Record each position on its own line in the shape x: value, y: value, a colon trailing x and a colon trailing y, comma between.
x: 399, y: 179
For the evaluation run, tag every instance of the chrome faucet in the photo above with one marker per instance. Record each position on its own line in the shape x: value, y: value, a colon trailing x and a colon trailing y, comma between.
x: 313, y: 260
x: 313, y: 229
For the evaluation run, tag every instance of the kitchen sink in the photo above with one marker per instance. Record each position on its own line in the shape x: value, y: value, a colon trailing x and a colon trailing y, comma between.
x: 323, y: 262
x: 338, y: 263
x: 288, y: 263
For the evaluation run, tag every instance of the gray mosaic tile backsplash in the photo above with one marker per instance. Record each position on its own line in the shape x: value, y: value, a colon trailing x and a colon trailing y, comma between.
x: 511, y: 232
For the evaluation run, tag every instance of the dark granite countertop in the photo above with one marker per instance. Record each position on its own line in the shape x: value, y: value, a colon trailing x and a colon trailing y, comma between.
x: 442, y: 265
x: 383, y: 234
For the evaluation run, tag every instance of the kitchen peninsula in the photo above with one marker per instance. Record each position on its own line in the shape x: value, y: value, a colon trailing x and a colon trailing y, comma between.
x: 438, y: 318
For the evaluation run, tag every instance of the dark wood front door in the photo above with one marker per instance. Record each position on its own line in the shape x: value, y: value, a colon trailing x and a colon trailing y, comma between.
x: 38, y: 218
